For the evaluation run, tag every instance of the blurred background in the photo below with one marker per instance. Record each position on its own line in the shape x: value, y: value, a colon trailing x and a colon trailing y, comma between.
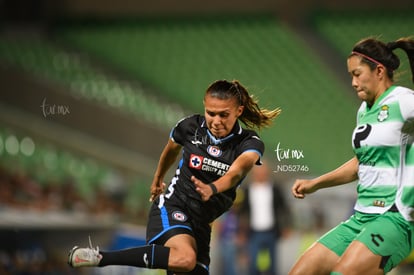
x: 90, y: 90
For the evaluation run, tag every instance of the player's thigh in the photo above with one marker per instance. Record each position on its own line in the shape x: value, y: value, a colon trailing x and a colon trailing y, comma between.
x: 183, y: 252
x: 321, y: 257
x: 381, y: 246
x: 183, y: 244
x: 358, y: 259
x: 317, y: 260
x: 340, y: 237
x: 190, y: 250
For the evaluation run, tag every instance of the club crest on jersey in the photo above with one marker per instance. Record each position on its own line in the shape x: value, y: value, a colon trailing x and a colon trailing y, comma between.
x: 214, y: 151
x: 196, y: 161
x: 179, y: 216
x: 383, y: 113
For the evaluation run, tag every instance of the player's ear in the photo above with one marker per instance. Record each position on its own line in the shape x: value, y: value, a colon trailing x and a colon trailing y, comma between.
x: 381, y: 71
x: 240, y: 110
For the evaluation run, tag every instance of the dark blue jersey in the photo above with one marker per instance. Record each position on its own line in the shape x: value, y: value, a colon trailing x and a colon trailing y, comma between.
x: 207, y: 158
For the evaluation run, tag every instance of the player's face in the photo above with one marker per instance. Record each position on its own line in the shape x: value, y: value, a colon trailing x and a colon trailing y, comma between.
x: 364, y: 80
x: 221, y: 114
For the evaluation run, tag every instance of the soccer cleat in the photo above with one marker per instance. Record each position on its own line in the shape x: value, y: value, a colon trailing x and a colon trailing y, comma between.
x: 79, y: 257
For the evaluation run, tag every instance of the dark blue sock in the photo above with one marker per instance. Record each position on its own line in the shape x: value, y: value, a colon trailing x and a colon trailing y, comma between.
x: 150, y: 256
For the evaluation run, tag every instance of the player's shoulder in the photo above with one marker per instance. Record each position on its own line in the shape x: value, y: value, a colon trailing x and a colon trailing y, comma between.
x: 403, y: 93
x: 405, y: 97
x: 248, y: 134
x: 251, y: 133
x: 195, y: 119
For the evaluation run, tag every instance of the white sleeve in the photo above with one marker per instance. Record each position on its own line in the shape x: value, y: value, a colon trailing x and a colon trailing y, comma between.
x: 407, y: 104
x: 407, y: 112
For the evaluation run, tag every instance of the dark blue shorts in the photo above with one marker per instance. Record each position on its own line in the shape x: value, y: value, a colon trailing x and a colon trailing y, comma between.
x: 170, y: 217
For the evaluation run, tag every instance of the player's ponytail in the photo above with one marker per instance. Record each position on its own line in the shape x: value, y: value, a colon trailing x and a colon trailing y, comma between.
x: 407, y: 45
x: 253, y: 116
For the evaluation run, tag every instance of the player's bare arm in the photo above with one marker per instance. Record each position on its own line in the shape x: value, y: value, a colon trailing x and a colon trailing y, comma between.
x: 167, y: 158
x: 239, y: 169
x: 346, y: 173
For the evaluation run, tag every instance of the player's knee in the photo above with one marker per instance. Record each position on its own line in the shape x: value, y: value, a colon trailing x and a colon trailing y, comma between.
x: 191, y: 261
x: 341, y: 268
x: 185, y: 261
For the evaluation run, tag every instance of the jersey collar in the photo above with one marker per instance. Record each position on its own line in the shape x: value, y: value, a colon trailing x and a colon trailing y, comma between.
x: 237, y: 130
x: 381, y: 97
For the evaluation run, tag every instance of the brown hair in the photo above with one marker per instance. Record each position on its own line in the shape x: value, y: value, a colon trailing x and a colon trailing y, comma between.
x: 374, y: 52
x: 253, y: 116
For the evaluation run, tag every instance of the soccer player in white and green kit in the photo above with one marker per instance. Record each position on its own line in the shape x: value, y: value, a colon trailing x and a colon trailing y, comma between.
x: 380, y: 234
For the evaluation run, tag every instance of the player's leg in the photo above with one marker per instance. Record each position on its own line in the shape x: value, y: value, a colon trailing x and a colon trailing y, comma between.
x: 199, y: 269
x: 149, y: 256
x: 183, y: 255
x: 358, y: 259
x: 381, y: 246
x: 177, y: 254
x: 322, y: 256
x: 202, y: 233
x: 317, y: 260
x: 171, y: 245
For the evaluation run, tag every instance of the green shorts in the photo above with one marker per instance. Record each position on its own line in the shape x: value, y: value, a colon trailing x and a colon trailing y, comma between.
x: 388, y: 235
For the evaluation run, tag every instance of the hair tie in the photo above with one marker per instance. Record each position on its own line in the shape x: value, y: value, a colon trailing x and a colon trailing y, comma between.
x: 392, y: 45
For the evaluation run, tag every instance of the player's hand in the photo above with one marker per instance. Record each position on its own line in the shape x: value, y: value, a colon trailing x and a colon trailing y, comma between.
x: 302, y: 187
x: 156, y: 189
x: 203, y: 189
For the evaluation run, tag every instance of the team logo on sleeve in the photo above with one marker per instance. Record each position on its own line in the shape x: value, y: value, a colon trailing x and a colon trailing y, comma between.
x: 179, y: 216
x: 383, y: 113
x: 214, y: 151
x: 195, y: 161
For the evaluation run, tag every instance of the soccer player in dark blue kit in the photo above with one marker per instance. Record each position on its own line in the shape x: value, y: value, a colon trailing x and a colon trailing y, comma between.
x: 216, y: 155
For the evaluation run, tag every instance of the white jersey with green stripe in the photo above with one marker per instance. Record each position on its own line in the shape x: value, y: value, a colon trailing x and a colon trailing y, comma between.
x: 405, y: 194
x: 379, y: 145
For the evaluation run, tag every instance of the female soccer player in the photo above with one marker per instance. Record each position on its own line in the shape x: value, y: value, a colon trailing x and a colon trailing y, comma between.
x: 216, y: 154
x: 381, y: 232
